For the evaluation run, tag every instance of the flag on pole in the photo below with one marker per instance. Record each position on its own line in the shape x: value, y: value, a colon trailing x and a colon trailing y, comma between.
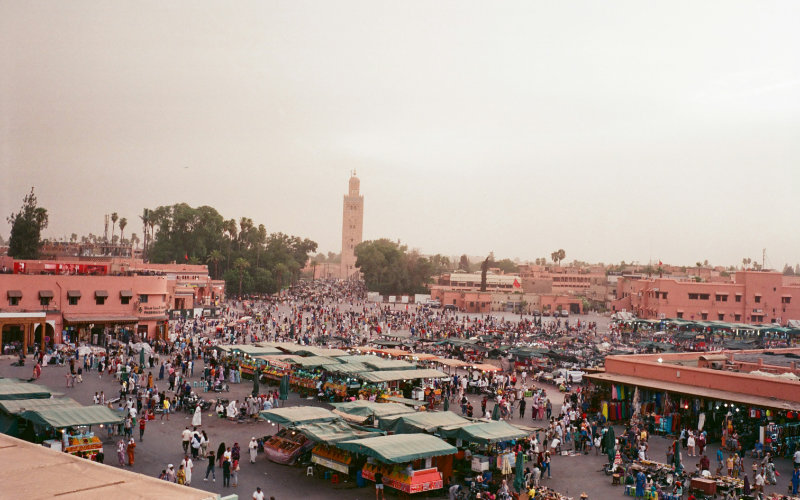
x: 186, y: 256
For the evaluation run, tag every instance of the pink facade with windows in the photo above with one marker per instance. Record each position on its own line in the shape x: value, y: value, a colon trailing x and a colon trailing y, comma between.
x: 753, y: 297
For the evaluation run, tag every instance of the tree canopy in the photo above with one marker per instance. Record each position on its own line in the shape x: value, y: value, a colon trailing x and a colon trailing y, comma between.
x: 26, y: 229
x: 246, y: 256
x: 389, y: 268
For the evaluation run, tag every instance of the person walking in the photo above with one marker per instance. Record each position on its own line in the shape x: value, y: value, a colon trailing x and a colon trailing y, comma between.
x: 186, y: 437
x: 235, y: 473
x: 210, y: 467
x: 226, y: 473
x: 197, y: 418
x: 253, y: 446
x: 187, y: 466
x: 258, y: 494
x: 141, y: 427
x: 121, y: 452
x: 131, y: 449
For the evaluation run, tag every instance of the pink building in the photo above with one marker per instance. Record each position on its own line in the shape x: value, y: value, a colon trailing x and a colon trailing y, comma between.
x: 93, y: 308
x: 753, y: 297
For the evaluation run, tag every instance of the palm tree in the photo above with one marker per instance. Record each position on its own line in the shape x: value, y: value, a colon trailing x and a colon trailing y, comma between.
x: 122, y: 223
x: 73, y: 238
x: 134, y: 240
x: 114, y: 219
x: 214, y: 257
x: 241, y: 265
x: 145, y: 220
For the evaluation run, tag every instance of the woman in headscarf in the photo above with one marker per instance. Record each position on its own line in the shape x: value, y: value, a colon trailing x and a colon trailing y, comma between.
x: 130, y: 450
x: 197, y: 419
x: 236, y: 452
x: 121, y: 452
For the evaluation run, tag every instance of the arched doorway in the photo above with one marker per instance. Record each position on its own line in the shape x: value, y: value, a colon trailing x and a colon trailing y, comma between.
x: 49, y: 334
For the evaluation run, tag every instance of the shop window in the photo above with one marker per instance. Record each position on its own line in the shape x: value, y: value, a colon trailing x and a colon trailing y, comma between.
x: 13, y: 301
x: 758, y: 299
x: 100, y: 301
x: 125, y: 300
x: 680, y: 315
x: 73, y: 301
x: 737, y: 317
x: 704, y: 296
x: 143, y: 299
x: 721, y: 298
x: 44, y: 301
x: 693, y: 296
x: 720, y: 317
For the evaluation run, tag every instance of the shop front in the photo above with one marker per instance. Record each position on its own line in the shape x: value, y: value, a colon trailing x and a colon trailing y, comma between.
x: 97, y: 329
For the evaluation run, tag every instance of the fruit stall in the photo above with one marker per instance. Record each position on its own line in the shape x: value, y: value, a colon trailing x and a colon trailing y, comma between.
x: 85, y: 445
x: 394, y: 455
x: 288, y: 443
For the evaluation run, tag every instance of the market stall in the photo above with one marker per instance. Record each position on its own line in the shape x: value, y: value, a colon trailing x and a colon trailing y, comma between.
x: 326, y: 435
x: 430, y: 421
x: 16, y: 389
x: 288, y: 444
x: 70, y: 427
x: 387, y: 453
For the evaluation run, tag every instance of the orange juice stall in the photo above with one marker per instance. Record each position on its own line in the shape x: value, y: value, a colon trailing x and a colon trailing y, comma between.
x: 406, y: 461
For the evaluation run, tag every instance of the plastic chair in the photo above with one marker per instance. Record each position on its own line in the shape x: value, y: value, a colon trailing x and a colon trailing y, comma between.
x: 334, y: 478
x: 309, y: 471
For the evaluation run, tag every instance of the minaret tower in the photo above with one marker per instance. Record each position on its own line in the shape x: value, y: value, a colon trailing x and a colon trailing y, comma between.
x: 352, y: 227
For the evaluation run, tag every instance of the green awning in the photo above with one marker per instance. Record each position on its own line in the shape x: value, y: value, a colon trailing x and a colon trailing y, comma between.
x: 399, y: 448
x: 484, y: 432
x: 296, y: 415
x: 346, y: 368
x: 391, y: 375
x: 333, y: 432
x: 315, y: 361
x: 252, y: 350
x: 427, y: 421
x: 406, y: 401
x: 13, y: 406
x: 365, y: 409
x: 61, y: 417
x: 11, y: 389
x: 378, y: 363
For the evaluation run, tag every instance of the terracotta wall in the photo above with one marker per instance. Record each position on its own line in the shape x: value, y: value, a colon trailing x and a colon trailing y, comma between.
x: 648, y: 367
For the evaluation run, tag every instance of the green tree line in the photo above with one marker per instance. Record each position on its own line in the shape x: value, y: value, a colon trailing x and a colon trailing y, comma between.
x: 390, y: 269
x: 246, y: 256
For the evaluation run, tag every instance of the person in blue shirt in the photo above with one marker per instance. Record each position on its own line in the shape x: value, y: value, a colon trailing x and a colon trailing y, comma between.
x: 641, y: 479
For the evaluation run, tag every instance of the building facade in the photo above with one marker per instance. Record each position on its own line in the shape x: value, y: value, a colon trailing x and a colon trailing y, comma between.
x: 94, y: 302
x: 752, y: 297
x: 352, y: 227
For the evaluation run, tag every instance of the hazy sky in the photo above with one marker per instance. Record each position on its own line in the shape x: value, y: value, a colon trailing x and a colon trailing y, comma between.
x: 615, y: 130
